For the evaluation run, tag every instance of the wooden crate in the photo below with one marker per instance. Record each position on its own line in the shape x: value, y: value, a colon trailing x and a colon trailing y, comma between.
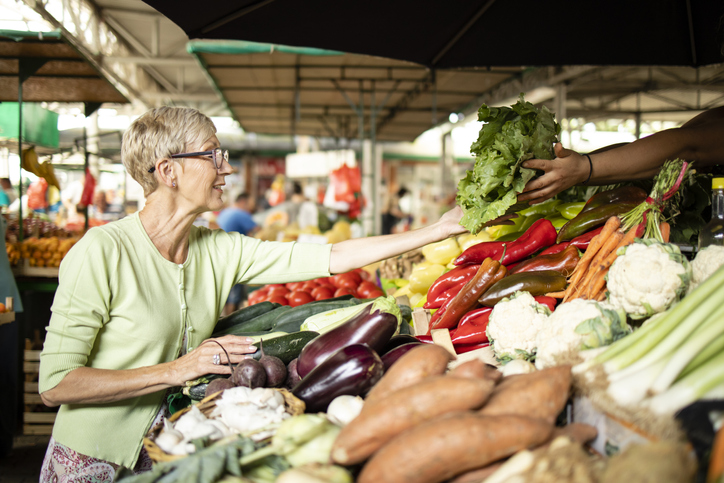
x: 38, y: 419
x: 9, y: 316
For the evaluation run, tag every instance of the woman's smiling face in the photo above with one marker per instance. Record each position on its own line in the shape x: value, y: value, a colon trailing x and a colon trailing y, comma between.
x: 199, y: 182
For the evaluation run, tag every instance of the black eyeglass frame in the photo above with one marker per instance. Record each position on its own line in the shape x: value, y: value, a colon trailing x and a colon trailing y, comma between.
x: 214, y: 153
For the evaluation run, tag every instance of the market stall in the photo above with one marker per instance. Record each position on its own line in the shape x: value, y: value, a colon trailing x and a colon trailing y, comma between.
x: 580, y: 342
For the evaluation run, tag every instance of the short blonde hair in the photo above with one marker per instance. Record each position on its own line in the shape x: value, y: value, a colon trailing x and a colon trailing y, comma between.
x: 158, y: 134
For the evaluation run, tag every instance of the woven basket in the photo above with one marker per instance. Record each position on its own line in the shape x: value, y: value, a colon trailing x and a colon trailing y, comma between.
x: 294, y: 406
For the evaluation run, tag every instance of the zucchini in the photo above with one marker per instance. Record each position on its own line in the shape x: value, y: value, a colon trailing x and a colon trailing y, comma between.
x: 197, y: 392
x: 291, y: 320
x: 286, y: 347
x: 262, y: 323
x: 325, y: 321
x: 244, y: 315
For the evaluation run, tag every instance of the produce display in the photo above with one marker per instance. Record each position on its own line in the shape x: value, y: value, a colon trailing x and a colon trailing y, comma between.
x: 571, y: 343
x: 44, y: 244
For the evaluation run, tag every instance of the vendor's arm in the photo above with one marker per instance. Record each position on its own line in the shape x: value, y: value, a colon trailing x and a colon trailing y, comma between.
x: 358, y: 252
x: 87, y: 385
x: 698, y: 140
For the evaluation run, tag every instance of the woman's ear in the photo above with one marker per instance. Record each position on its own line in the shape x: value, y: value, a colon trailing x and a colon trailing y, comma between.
x: 165, y: 170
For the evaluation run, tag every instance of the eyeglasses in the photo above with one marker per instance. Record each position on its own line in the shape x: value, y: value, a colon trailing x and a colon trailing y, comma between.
x: 218, y: 156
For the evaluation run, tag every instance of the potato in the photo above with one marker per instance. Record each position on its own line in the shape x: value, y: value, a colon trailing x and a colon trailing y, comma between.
x: 418, y: 364
x: 386, y: 417
x: 541, y: 394
x: 476, y: 368
x: 437, y: 450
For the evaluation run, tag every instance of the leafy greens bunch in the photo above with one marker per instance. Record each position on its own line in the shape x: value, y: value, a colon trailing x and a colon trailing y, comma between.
x: 509, y: 136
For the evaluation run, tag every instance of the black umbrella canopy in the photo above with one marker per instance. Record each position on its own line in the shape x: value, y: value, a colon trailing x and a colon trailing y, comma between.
x: 472, y: 33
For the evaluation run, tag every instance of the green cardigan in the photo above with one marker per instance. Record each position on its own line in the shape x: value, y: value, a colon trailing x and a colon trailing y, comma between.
x: 121, y: 305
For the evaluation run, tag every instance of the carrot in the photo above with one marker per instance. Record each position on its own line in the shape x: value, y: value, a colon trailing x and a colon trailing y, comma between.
x: 612, y: 224
x: 383, y: 419
x: 599, y: 281
x: 665, y: 229
x: 556, y: 295
x: 593, y: 271
x: 476, y: 369
x: 540, y: 395
x: 716, y: 458
x: 444, y: 447
x: 416, y: 365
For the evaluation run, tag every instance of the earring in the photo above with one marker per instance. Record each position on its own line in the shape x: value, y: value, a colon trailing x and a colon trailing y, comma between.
x: 173, y: 184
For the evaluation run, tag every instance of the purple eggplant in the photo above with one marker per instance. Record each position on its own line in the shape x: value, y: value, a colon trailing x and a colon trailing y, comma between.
x: 352, y: 370
x: 392, y: 356
x: 374, y: 326
x: 397, y: 341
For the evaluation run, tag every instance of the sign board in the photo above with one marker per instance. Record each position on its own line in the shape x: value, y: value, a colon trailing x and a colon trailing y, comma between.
x: 318, y: 164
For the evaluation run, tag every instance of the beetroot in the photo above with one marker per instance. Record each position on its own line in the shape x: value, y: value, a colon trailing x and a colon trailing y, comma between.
x: 249, y: 373
x: 218, y: 385
x: 276, y: 371
x: 293, y: 376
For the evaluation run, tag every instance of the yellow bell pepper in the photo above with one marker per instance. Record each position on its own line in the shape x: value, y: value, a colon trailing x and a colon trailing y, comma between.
x: 442, y: 252
x: 414, y: 299
x: 467, y: 240
x: 420, y: 302
x: 422, y: 278
x: 403, y: 291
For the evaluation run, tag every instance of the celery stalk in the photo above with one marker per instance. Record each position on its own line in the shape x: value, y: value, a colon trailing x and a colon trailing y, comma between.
x: 671, y: 329
x: 706, y: 378
x: 699, y: 339
x: 716, y: 346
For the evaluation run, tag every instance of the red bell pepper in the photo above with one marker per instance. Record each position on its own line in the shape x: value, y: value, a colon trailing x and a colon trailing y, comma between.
x: 557, y: 248
x: 488, y: 274
x: 581, y: 242
x: 440, y: 300
x: 471, y: 329
x: 459, y: 348
x: 549, y: 302
x: 564, y: 262
x: 541, y: 234
x: 457, y: 277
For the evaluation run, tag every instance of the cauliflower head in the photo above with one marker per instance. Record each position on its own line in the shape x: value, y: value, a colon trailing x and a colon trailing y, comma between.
x: 578, y: 325
x: 513, y: 325
x: 647, y: 278
x: 706, y: 262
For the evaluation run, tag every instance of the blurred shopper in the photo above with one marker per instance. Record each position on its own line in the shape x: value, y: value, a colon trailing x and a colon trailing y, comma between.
x: 237, y: 218
x: 391, y: 211
x: 7, y: 194
x: 301, y: 210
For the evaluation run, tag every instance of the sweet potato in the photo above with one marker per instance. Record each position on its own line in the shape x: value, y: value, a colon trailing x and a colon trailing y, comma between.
x: 477, y: 475
x: 386, y: 417
x: 541, y: 394
x: 437, y: 450
x: 418, y: 364
x: 476, y: 369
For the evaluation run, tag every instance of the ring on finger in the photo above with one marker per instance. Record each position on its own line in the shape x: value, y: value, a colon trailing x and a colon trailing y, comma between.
x: 217, y: 359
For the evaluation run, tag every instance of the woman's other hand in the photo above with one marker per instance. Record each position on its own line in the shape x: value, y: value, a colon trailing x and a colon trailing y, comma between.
x: 568, y: 169
x: 200, y: 361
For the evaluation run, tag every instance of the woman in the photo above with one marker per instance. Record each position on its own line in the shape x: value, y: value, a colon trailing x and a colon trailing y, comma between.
x: 137, y: 297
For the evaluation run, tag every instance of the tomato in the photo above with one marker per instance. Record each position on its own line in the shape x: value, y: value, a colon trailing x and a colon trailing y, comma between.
x: 346, y: 280
x: 364, y: 274
x: 322, y: 293
x: 373, y: 294
x: 365, y: 287
x: 324, y: 280
x: 309, y: 286
x: 278, y: 299
x: 280, y: 290
x: 300, y: 297
x: 292, y: 286
x: 344, y: 291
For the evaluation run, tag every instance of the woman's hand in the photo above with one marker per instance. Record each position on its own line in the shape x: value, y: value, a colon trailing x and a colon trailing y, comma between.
x: 567, y: 169
x: 200, y: 361
x: 449, y: 223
